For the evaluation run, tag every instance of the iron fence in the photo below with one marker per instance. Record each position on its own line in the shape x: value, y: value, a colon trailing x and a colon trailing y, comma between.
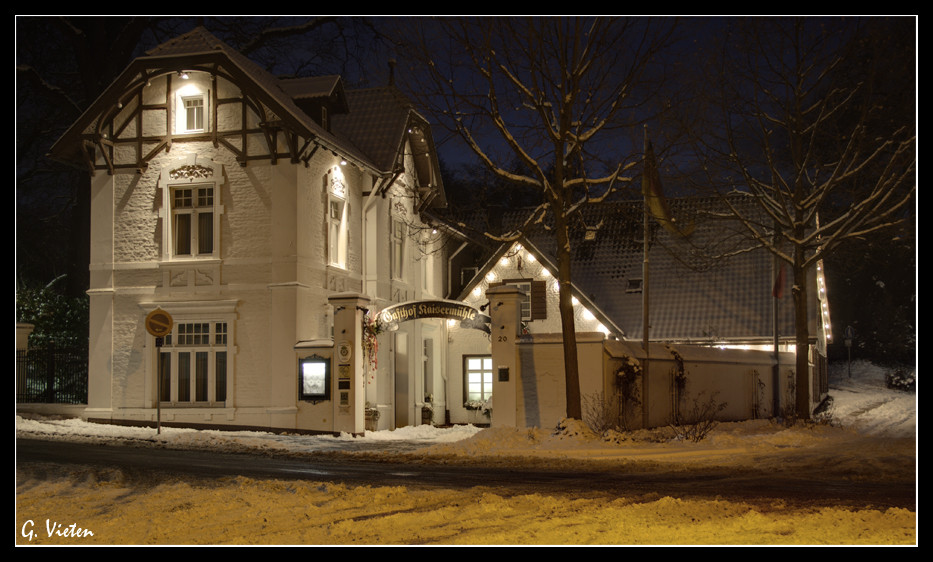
x: 51, y: 376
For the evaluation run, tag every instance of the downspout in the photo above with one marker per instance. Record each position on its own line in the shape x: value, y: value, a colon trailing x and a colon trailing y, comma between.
x: 367, y: 206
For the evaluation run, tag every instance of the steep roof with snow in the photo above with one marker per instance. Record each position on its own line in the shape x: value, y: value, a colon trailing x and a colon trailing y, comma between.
x: 712, y: 286
x: 379, y: 122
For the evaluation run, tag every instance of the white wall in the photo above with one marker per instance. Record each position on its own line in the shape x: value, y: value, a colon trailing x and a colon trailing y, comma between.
x: 271, y: 265
x: 740, y: 380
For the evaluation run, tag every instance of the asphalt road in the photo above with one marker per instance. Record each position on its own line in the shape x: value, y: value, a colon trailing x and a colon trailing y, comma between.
x: 762, y: 488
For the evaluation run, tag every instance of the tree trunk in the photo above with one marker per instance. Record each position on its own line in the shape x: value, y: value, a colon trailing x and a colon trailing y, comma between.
x: 568, y: 329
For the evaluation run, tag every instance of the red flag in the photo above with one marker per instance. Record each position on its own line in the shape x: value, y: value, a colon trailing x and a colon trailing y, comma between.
x: 777, y: 291
x: 654, y: 198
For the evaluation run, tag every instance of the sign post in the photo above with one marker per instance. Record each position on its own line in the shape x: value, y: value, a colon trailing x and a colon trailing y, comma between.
x: 159, y: 324
x: 849, y: 334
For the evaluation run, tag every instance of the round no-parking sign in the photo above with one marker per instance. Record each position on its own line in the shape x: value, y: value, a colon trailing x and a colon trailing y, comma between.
x: 159, y: 323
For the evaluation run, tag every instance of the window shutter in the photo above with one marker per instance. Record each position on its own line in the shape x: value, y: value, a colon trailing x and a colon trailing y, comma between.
x: 538, y: 300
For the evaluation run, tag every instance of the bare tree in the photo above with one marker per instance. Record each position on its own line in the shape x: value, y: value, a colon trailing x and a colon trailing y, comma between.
x: 800, y: 122
x: 556, y: 96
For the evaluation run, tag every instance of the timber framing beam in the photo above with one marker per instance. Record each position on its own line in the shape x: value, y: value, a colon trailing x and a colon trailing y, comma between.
x: 265, y: 128
x: 116, y: 127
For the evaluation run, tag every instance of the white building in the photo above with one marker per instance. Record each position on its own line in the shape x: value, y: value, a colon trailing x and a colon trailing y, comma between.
x: 241, y: 205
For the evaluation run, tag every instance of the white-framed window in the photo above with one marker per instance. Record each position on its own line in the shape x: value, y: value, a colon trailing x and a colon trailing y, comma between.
x: 191, y: 102
x: 194, y: 113
x: 193, y: 220
x: 191, y: 209
x: 337, y: 217
x: 399, y: 234
x: 477, y: 378
x: 337, y: 232
x: 193, y: 364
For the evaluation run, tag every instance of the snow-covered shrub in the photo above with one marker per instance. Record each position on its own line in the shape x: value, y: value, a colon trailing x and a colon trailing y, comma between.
x: 569, y: 427
x: 900, y: 379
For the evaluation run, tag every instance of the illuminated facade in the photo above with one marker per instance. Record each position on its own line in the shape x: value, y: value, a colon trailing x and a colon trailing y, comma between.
x: 242, y: 205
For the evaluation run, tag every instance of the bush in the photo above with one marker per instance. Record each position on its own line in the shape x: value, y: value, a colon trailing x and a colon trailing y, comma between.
x: 59, y: 320
x: 900, y: 379
x: 699, y: 422
x: 599, y: 413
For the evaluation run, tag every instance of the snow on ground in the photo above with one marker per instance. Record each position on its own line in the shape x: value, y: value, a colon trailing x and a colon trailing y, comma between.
x: 861, y: 406
x: 871, y: 433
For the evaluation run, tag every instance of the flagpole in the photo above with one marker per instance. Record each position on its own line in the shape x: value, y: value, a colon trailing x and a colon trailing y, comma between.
x: 644, y: 292
x: 775, y: 296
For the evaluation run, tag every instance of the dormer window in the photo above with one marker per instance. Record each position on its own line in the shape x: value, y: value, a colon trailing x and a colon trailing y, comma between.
x: 192, y: 105
x: 194, y: 113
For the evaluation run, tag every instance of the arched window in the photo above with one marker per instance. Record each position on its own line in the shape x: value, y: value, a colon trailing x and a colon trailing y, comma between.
x: 338, y: 211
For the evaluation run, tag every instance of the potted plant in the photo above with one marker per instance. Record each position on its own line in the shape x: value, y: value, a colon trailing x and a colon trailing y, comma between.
x: 371, y: 414
x: 480, y: 407
x: 427, y: 410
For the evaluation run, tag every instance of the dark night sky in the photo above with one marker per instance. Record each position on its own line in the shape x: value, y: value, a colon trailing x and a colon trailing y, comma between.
x: 43, y: 234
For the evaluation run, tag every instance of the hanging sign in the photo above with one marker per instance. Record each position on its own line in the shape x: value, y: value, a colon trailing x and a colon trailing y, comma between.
x: 469, y: 317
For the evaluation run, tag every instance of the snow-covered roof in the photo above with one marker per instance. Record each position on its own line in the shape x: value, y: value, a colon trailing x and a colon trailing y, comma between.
x: 714, y: 285
x: 379, y: 122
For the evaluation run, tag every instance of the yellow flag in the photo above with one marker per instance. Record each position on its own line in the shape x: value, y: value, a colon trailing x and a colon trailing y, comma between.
x: 654, y: 198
